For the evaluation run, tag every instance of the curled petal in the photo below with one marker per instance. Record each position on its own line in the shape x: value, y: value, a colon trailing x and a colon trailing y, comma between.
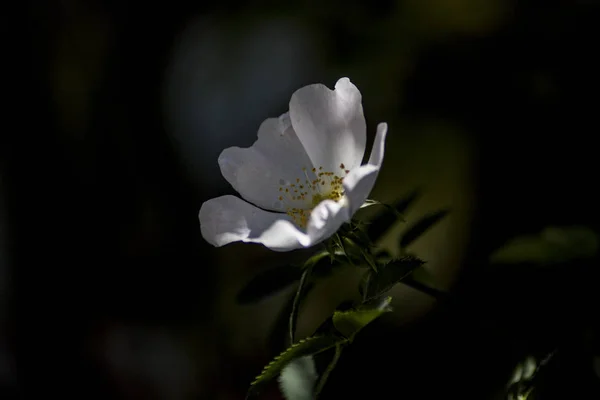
x: 275, y: 160
x: 228, y: 219
x: 329, y: 215
x: 360, y: 181
x: 325, y: 219
x: 330, y: 124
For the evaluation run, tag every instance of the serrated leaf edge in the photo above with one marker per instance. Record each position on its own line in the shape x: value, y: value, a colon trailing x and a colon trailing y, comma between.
x: 384, y: 307
x: 276, y: 359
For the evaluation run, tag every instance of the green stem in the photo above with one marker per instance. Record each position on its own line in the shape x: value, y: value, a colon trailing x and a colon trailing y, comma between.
x: 327, y: 372
x: 366, y: 288
x: 296, y: 304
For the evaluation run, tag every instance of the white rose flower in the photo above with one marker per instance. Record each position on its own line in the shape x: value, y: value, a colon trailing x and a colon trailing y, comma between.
x: 302, y: 179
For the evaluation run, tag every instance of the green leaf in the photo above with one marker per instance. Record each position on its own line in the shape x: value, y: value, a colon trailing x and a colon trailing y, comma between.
x: 326, y: 326
x: 386, y: 218
x: 326, y: 265
x: 389, y: 275
x: 421, y: 226
x: 357, y: 254
x: 383, y: 256
x: 350, y: 322
x: 552, y: 245
x: 294, y: 363
x: 267, y: 283
x: 316, y: 259
x: 371, y: 261
x: 359, y: 235
x: 422, y: 275
x: 351, y: 249
x: 310, y: 346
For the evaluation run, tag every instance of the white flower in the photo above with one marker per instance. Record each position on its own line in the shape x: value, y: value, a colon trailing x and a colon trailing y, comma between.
x: 303, y: 178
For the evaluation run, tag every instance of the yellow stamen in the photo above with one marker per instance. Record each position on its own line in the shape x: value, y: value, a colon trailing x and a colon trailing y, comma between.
x: 299, y: 200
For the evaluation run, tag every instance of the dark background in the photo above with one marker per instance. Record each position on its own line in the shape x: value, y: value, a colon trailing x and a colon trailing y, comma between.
x: 129, y: 105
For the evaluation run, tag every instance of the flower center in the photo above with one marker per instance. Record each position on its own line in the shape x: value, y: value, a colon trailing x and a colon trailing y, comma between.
x: 303, y: 195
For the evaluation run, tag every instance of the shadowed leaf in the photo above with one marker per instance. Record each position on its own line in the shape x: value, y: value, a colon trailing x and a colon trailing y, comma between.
x: 388, y: 276
x: 317, y: 259
x: 326, y: 326
x: 386, y: 218
x: 350, y: 322
x: 421, y: 226
x: 423, y: 288
x: 552, y: 245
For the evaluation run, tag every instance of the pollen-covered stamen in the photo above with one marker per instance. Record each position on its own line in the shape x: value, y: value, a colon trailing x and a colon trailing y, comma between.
x: 302, y: 195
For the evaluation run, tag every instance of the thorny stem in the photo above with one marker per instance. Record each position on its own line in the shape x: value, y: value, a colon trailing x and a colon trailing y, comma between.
x: 295, y: 304
x: 330, y: 367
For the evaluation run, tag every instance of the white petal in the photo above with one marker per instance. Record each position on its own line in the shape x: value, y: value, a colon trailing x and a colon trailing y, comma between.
x: 228, y: 219
x: 330, y: 124
x: 360, y: 181
x: 298, y: 378
x: 325, y: 219
x: 276, y: 159
x: 328, y: 216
